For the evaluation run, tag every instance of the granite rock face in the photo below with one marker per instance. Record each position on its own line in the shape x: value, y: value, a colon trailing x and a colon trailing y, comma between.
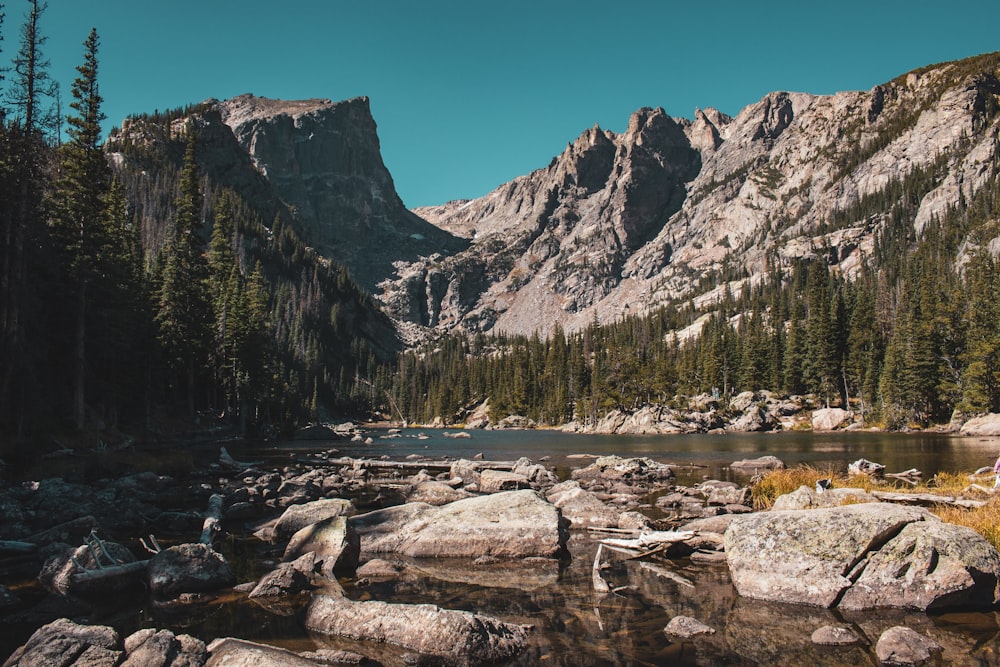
x: 620, y: 223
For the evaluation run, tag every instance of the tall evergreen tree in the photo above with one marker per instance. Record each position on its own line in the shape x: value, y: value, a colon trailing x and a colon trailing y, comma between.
x: 184, y: 315
x: 80, y: 215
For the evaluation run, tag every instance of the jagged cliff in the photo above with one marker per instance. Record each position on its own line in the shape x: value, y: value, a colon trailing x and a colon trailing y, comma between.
x: 623, y: 223
x: 317, y: 163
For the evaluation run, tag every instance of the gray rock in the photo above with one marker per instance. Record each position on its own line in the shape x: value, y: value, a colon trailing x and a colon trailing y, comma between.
x: 759, y: 464
x: 983, y: 426
x: 149, y: 647
x: 435, y: 493
x: 903, y: 646
x: 929, y: 566
x: 805, y: 556
x: 806, y: 497
x: 188, y: 568
x: 582, y: 508
x: 297, y: 517
x: 62, y: 643
x: 685, y: 627
x: 230, y: 652
x: 377, y: 568
x: 333, y: 542
x: 510, y: 524
x: 57, y: 572
x: 287, y: 578
x: 830, y: 419
x: 834, y: 635
x: 458, y: 637
x: 495, y: 481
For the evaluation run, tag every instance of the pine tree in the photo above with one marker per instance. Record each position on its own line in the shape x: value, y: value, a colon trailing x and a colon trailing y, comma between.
x: 184, y: 315
x: 80, y: 213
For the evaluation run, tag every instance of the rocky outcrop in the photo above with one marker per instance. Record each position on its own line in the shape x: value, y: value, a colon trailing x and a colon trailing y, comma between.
x: 455, y: 637
x: 983, y: 426
x: 510, y: 524
x: 860, y: 557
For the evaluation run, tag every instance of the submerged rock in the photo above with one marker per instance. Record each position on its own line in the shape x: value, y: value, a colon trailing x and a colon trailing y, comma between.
x: 903, y: 646
x: 457, y: 637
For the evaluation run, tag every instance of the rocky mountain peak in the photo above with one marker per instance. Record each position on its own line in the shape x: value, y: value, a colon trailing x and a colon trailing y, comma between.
x: 624, y: 223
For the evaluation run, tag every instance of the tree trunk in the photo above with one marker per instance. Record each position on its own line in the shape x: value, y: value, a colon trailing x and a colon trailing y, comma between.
x: 80, y: 361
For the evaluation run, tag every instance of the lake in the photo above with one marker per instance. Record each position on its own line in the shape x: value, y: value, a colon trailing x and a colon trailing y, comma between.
x: 572, y: 624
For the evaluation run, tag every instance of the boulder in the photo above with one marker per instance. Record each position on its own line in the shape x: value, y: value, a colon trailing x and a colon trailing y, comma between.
x: 188, y: 568
x: 297, y: 517
x: 642, y: 472
x: 510, y: 524
x: 163, y: 647
x: 536, y: 473
x: 863, y: 556
x: 805, y: 556
x: 287, y: 578
x: 685, y: 627
x: 454, y: 637
x: 865, y: 467
x: 57, y: 573
x: 929, y: 566
x: 902, y: 646
x: 62, y: 643
x: 759, y: 464
x: 755, y: 420
x: 805, y: 498
x: 984, y: 425
x: 582, y: 508
x: 495, y: 481
x: 830, y: 419
x: 229, y: 652
x: 834, y: 635
x: 377, y: 568
x: 333, y: 541
x: 435, y: 493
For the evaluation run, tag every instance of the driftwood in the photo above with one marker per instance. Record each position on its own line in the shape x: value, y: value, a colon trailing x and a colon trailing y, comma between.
x: 416, y: 465
x: 600, y: 585
x: 80, y: 526
x: 13, y: 547
x: 648, y: 544
x: 926, y: 499
x: 109, y: 572
x: 229, y: 462
x: 213, y: 516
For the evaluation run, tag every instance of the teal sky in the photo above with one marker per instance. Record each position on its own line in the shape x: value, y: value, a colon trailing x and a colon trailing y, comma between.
x: 470, y: 94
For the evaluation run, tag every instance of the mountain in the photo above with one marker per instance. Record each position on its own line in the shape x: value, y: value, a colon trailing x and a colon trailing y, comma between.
x: 318, y: 163
x: 671, y: 209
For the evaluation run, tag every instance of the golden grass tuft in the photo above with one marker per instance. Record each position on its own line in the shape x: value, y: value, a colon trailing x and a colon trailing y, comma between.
x: 984, y: 520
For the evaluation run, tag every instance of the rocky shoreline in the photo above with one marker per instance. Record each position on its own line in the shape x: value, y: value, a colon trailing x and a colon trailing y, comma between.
x: 325, y: 521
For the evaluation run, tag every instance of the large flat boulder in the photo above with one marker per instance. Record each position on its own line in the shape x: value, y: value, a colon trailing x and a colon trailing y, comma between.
x: 929, y: 565
x: 454, y: 637
x: 861, y: 557
x: 984, y: 425
x: 510, y: 524
x: 830, y: 419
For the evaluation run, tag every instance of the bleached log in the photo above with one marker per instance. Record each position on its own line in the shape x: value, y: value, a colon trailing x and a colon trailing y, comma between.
x: 417, y: 465
x: 10, y: 547
x: 600, y: 585
x: 213, y: 515
x: 651, y: 540
x: 926, y: 499
x: 88, y: 576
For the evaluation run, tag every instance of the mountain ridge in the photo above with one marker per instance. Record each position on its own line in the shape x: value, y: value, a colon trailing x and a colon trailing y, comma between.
x: 787, y: 175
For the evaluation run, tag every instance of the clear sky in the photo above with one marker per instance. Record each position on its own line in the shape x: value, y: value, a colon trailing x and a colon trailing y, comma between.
x: 469, y: 94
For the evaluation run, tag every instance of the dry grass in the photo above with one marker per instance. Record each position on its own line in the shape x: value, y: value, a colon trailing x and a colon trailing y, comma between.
x: 984, y: 520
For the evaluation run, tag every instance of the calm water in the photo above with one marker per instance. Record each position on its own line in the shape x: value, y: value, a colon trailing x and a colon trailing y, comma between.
x: 572, y: 624
x: 700, y: 455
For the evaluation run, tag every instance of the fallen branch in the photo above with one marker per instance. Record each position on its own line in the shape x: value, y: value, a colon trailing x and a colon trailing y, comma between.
x: 16, y: 547
x: 88, y: 576
x: 600, y: 585
x: 213, y: 515
x: 926, y: 499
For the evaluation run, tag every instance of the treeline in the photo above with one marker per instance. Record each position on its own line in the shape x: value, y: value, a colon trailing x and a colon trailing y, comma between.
x: 911, y: 338
x: 110, y: 326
